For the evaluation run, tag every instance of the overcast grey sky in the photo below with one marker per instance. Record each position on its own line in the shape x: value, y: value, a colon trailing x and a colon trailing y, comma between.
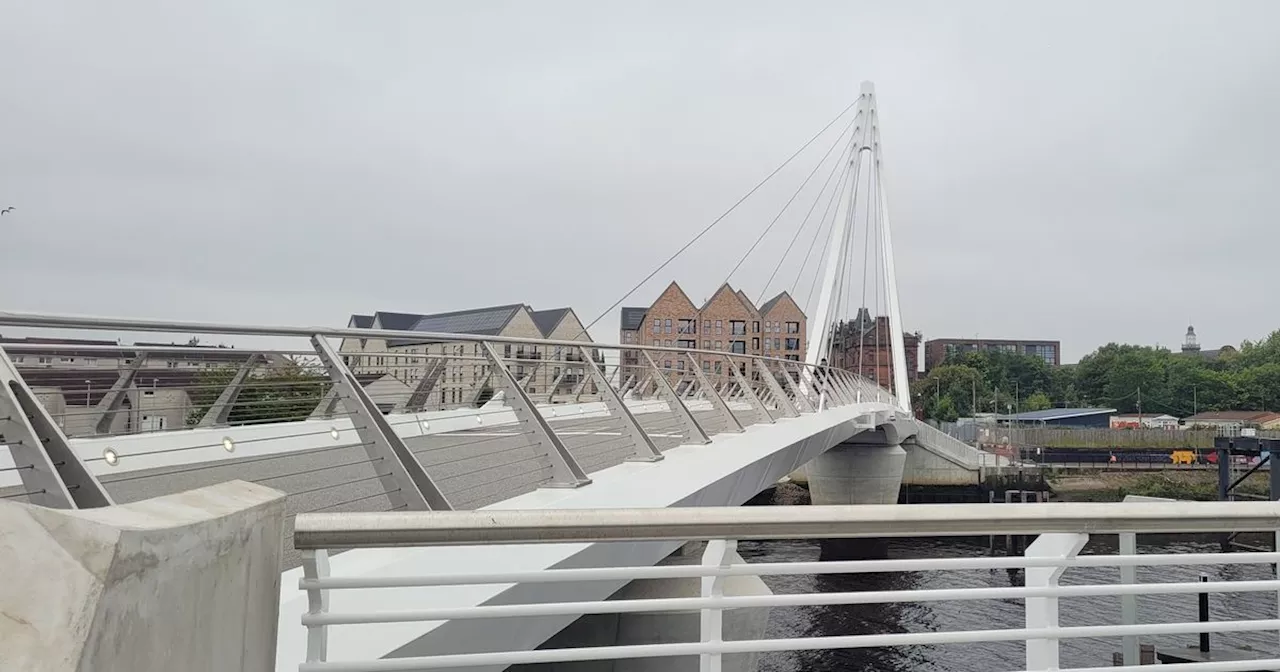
x: 1088, y: 171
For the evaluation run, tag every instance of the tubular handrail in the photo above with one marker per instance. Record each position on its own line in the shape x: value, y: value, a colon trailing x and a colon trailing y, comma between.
x: 124, y: 324
x: 173, y: 349
x: 449, y: 528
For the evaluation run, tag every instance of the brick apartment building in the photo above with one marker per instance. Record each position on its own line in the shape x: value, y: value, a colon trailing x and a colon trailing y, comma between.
x: 937, y: 350
x: 862, y: 345
x: 728, y: 321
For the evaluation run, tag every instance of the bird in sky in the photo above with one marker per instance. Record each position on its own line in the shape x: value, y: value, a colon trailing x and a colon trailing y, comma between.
x: 6, y: 210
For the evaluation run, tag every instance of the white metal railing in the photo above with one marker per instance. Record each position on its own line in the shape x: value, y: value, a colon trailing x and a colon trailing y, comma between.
x: 376, y: 402
x: 1063, y: 529
x: 938, y: 440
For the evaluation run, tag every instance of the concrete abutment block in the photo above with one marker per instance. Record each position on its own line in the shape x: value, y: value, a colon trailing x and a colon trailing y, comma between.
x: 189, y: 581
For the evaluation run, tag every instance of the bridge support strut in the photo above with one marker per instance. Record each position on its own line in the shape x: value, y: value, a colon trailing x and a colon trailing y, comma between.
x: 406, y: 483
x: 52, y: 473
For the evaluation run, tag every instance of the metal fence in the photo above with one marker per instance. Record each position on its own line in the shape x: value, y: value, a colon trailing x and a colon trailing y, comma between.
x: 1082, y: 437
x: 351, y: 419
x: 1063, y: 530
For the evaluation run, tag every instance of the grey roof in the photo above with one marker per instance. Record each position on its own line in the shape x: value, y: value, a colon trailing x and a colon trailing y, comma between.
x: 1240, y: 416
x: 548, y: 320
x: 478, y: 321
x: 91, y: 385
x: 633, y: 318
x: 1057, y: 414
x: 396, y: 321
x: 361, y: 321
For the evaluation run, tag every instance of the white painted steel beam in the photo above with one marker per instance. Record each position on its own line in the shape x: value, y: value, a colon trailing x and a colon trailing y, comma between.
x: 726, y: 473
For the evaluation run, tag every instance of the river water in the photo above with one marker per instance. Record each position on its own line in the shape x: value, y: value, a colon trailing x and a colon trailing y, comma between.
x: 989, y: 614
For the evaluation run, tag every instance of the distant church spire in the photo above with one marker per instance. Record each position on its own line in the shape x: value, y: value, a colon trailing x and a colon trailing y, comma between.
x: 1191, y: 343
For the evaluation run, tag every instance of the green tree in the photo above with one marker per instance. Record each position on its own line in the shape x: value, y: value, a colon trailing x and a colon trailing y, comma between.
x: 945, y: 410
x: 954, y: 382
x: 1122, y: 375
x: 1037, y: 402
x: 287, y: 391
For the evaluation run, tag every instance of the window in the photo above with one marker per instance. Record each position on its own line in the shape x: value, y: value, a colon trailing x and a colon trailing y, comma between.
x: 67, y: 360
x: 755, y: 344
x: 666, y: 364
x: 626, y: 338
x: 17, y: 359
x: 719, y: 327
x: 666, y: 326
x: 793, y: 344
x: 755, y: 326
x: 777, y: 344
x: 793, y: 327
x: 738, y: 327
x: 688, y: 326
x: 719, y: 345
x: 506, y: 350
x: 148, y: 393
x: 738, y: 347
x: 768, y: 344
x: 171, y: 364
x: 657, y: 326
x: 706, y: 325
x: 687, y: 344
x: 666, y: 344
x: 556, y: 373
x: 794, y: 358
x: 656, y: 342
x: 706, y: 345
x: 49, y: 360
x: 717, y: 366
x: 533, y: 390
x: 680, y: 364
x: 91, y: 361
x: 706, y: 366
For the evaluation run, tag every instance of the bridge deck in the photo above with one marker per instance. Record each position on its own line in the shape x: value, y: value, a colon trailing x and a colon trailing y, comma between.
x: 726, y: 472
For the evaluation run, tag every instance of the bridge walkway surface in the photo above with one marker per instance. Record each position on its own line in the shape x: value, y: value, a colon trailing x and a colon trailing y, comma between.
x: 684, y: 437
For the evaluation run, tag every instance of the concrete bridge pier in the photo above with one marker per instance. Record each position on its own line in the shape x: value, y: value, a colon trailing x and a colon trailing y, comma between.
x: 866, y: 469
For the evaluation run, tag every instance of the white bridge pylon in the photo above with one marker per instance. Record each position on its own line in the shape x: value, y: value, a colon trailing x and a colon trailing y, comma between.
x: 866, y: 167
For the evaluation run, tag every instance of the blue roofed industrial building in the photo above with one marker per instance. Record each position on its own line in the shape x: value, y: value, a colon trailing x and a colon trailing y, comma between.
x: 1061, y: 417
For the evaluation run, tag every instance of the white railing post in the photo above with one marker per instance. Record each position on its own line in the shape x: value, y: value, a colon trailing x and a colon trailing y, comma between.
x: 1042, y: 612
x: 1129, y: 603
x: 717, y: 554
x: 315, y: 565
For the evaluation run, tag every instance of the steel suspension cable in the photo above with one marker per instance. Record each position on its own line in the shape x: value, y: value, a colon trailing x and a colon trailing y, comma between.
x: 791, y: 200
x: 717, y: 220
x: 879, y: 257
x: 842, y: 163
x: 822, y: 226
x: 837, y: 197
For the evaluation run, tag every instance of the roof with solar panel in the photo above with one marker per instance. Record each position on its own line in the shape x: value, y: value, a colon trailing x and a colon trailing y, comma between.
x: 476, y: 321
